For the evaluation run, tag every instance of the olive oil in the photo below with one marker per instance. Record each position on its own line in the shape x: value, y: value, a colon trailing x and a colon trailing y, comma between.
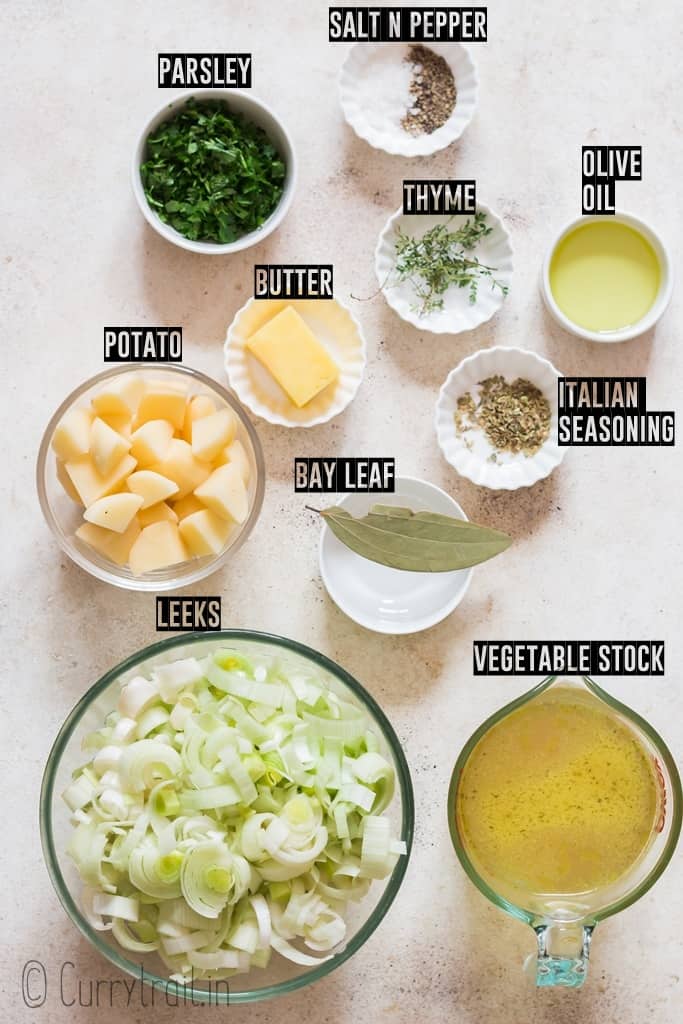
x: 604, y: 275
x: 559, y: 798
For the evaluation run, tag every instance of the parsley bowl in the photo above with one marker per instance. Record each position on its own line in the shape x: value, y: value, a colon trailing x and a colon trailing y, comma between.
x: 168, y: 201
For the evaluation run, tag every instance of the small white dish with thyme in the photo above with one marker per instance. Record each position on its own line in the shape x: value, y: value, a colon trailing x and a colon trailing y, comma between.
x: 496, y: 418
x: 444, y: 273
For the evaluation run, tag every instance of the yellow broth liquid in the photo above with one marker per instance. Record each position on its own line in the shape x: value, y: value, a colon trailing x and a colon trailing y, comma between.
x: 604, y: 276
x: 558, y: 798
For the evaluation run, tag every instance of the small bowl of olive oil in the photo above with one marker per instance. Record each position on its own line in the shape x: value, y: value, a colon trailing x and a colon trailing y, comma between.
x: 607, y: 278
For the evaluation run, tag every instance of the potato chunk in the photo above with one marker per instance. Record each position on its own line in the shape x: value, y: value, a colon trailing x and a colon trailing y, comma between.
x: 114, y: 546
x: 150, y: 442
x: 159, y: 513
x: 225, y: 494
x: 107, y: 448
x: 152, y: 487
x: 92, y: 485
x: 113, y: 512
x: 71, y: 438
x: 236, y: 454
x: 186, y: 506
x: 157, y: 547
x: 199, y: 406
x: 163, y: 401
x: 67, y: 484
x: 211, y: 434
x: 122, y: 424
x: 204, y: 533
x: 180, y: 465
x: 119, y: 397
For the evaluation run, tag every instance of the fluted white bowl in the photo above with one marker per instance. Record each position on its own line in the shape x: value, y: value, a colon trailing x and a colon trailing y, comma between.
x: 471, y: 455
x: 363, y: 66
x: 458, y: 313
x: 337, y: 330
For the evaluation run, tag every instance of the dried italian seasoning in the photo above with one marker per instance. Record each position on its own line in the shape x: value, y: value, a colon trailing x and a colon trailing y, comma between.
x: 433, y: 91
x: 515, y: 417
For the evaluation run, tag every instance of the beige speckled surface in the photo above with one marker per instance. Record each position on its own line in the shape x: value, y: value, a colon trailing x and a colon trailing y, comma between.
x: 597, y: 553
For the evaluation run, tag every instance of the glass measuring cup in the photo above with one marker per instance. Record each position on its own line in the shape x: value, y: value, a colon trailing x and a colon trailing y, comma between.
x: 564, y: 923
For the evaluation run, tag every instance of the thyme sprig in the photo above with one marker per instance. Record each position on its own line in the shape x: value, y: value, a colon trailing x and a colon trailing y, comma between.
x: 438, y: 261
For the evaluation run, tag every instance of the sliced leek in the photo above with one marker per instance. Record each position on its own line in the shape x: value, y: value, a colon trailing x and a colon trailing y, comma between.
x: 229, y: 810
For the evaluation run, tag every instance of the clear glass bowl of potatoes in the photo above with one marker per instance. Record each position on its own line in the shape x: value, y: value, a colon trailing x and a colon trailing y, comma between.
x: 150, y: 476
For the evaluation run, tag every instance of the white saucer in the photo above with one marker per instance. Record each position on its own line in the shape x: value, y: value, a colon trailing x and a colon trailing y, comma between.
x: 389, y: 600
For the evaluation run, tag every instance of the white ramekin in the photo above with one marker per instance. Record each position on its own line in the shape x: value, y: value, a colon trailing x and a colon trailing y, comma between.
x: 659, y: 305
x: 252, y: 110
x: 359, y: 64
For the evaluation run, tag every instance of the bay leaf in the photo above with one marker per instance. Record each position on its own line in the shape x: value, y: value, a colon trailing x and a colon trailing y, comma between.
x: 415, y: 541
x: 431, y: 525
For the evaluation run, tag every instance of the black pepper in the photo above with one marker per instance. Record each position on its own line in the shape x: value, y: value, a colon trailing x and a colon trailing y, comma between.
x: 433, y: 90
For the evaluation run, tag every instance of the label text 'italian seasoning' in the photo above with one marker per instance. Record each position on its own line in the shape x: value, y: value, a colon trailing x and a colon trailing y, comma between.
x: 610, y: 411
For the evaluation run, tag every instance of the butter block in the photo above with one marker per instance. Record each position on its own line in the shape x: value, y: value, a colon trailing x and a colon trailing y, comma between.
x: 292, y: 354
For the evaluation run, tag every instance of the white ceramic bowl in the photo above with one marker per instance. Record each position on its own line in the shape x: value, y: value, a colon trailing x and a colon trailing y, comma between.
x: 512, y: 470
x: 389, y: 600
x: 656, y: 310
x: 358, y: 76
x: 252, y: 110
x: 458, y: 313
x: 336, y: 329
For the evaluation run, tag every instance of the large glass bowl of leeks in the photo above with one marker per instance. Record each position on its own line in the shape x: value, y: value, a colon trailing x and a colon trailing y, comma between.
x: 229, y: 815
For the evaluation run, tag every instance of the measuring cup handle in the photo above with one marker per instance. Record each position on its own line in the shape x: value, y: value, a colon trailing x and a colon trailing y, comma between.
x: 562, y: 957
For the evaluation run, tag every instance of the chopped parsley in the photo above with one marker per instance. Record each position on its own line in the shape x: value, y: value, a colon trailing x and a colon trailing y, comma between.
x: 211, y: 174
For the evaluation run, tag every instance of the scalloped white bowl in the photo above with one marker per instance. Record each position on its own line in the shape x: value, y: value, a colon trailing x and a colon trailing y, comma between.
x: 363, y: 65
x: 336, y: 329
x: 513, y: 470
x: 458, y: 313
